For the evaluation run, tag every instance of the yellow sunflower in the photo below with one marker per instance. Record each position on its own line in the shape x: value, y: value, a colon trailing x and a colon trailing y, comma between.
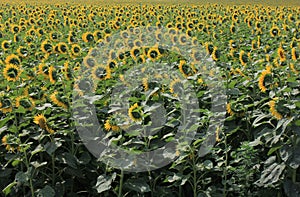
x: 135, y: 113
x: 274, y: 31
x: 11, y: 72
x: 12, y: 59
x: 273, y: 109
x: 56, y: 99
x: 262, y: 77
x: 281, y: 54
x: 295, y: 54
x: 26, y: 102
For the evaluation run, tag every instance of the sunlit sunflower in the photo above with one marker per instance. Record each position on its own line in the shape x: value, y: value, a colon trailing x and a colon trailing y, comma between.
x: 295, y: 54
x: 22, y: 51
x: 292, y: 67
x: 12, y: 59
x: 135, y: 52
x: 135, y: 113
x: 52, y: 74
x: 261, y: 80
x: 88, y: 37
x: 62, y: 47
x: 46, y: 47
x: 273, y: 109
x: 43, y: 69
x: 26, y: 102
x: 244, y: 58
x: 274, y: 31
x: 229, y: 110
x: 67, y: 71
x: 41, y: 120
x: 111, y: 125
x: 11, y: 72
x: 55, y: 97
x: 281, y: 54
x: 209, y: 47
x: 153, y: 53
x: 75, y: 49
x: 216, y: 54
x: 5, y: 45
x: 186, y: 69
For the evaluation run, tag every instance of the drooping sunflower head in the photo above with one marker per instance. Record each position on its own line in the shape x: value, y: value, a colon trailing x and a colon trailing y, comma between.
x: 40, y: 120
x: 57, y: 99
x: 244, y: 57
x: 295, y: 54
x: 11, y: 72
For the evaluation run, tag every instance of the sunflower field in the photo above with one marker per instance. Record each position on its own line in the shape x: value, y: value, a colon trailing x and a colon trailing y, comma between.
x: 66, y: 69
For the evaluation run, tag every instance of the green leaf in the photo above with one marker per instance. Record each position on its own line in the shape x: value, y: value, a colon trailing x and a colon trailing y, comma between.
x: 104, y: 182
x: 51, y: 147
x: 7, y: 189
x: 273, y: 149
x: 47, y: 191
x: 21, y: 177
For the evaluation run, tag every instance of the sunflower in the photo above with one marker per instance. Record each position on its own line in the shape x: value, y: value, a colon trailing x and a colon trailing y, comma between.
x: 55, y: 97
x: 216, y: 54
x: 295, y: 54
x: 5, y: 45
x: 135, y: 52
x: 43, y: 69
x: 88, y: 37
x: 11, y: 72
x: 46, y: 47
x: 273, y: 109
x: 26, y: 102
x: 135, y: 113
x: 89, y: 62
x: 110, y: 125
x: 22, y: 51
x: 67, y: 71
x: 62, y: 47
x: 145, y: 83
x: 244, y: 58
x: 6, y: 105
x: 101, y: 72
x: 41, y: 120
x: 274, y: 31
x: 10, y: 142
x: 12, y: 59
x: 52, y: 74
x: 75, y: 49
x: 185, y: 69
x: 176, y: 86
x: 84, y: 85
x: 292, y: 67
x: 209, y: 47
x: 232, y: 29
x: 281, y: 54
x: 112, y: 64
x: 261, y: 80
x: 153, y: 53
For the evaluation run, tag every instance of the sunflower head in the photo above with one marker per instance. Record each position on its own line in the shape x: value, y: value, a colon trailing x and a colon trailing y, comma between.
x: 135, y: 113
x: 11, y: 72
